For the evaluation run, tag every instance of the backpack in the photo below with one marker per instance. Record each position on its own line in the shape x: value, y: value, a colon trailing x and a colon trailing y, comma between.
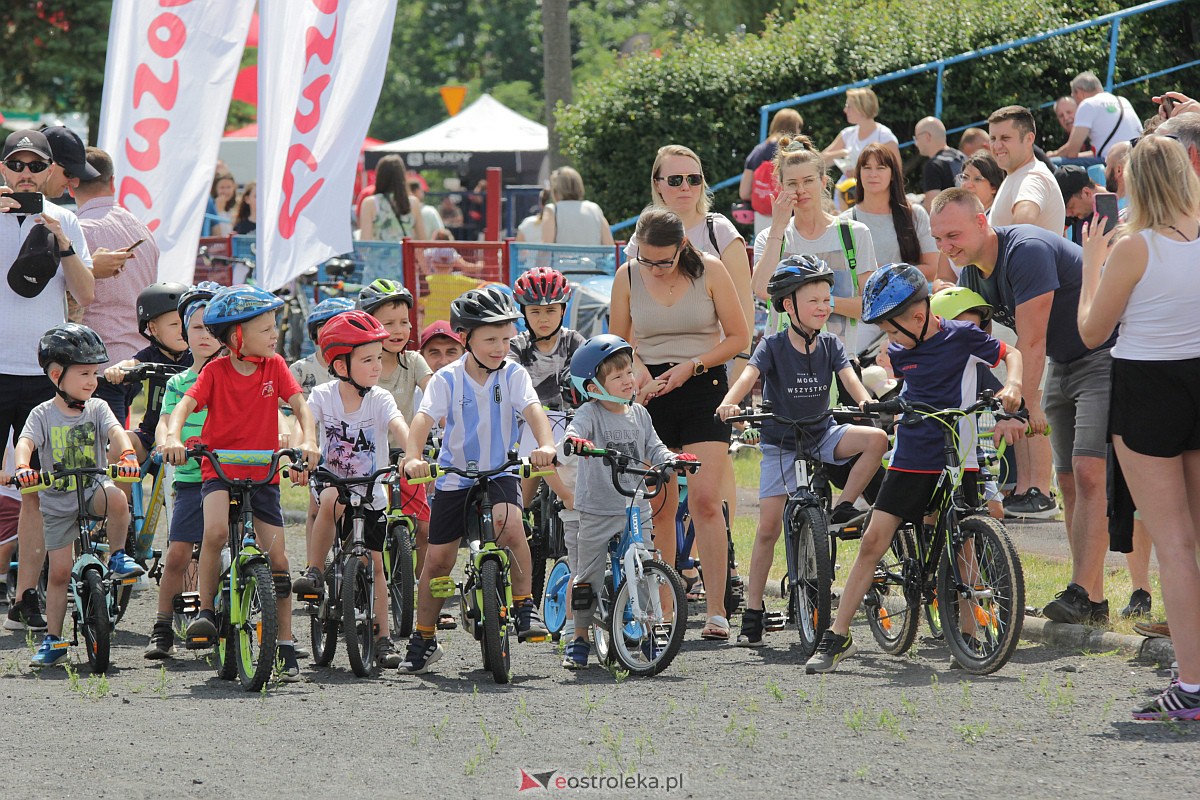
x: 764, y: 188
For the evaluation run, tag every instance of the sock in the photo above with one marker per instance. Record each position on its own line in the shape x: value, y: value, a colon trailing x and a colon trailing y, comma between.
x: 162, y: 618
x: 426, y: 631
x: 1190, y: 688
x: 518, y: 599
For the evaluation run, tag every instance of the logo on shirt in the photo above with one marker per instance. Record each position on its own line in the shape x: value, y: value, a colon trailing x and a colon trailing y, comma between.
x: 497, y: 395
x: 268, y: 389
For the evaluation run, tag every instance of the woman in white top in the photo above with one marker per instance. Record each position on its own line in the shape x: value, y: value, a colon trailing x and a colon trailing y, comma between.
x: 1149, y: 286
x: 530, y: 229
x: 388, y: 215
x: 862, y: 106
x: 571, y: 219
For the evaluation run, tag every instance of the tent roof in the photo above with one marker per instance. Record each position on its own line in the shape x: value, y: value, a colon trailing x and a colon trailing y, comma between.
x: 485, y: 126
x: 251, y: 132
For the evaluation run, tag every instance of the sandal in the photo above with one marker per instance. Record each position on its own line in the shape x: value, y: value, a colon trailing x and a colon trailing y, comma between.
x: 695, y: 588
x: 716, y: 629
x: 446, y: 622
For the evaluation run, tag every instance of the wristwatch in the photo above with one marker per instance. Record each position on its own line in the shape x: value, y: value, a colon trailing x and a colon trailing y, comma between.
x: 698, y: 367
x: 70, y: 251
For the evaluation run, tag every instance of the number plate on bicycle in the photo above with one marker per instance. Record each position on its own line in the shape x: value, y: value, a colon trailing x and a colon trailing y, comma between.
x: 801, y: 471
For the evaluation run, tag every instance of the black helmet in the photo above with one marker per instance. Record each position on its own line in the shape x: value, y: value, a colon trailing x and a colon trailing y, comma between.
x: 383, y: 291
x: 71, y: 343
x: 792, y: 273
x: 200, y: 293
x: 486, y: 306
x: 157, y: 299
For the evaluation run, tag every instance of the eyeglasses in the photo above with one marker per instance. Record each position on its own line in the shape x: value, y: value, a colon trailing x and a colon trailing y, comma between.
x: 1134, y: 141
x: 665, y: 263
x: 693, y: 179
x: 33, y: 166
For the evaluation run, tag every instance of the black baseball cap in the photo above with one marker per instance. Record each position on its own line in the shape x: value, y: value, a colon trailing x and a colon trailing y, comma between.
x: 70, y: 152
x: 36, y: 264
x: 1072, y: 179
x: 33, y: 141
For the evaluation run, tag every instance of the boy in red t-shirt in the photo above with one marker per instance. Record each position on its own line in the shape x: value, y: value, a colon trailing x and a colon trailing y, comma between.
x: 242, y: 392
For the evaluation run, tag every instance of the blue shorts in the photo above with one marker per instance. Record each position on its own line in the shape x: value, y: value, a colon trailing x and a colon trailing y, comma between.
x: 777, y: 475
x: 264, y: 503
x: 187, y: 517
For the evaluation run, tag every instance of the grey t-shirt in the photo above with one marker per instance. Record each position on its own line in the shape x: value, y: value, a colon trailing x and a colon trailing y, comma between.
x: 547, y: 369
x: 76, y: 442
x: 630, y: 432
x: 797, y: 384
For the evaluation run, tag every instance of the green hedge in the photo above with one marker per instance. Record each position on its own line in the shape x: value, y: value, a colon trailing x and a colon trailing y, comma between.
x: 705, y: 92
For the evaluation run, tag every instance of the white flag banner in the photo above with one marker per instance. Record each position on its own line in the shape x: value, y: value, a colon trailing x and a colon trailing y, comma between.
x: 169, y: 75
x: 321, y: 65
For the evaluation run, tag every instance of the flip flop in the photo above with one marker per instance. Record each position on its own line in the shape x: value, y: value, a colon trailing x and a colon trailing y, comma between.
x: 716, y: 629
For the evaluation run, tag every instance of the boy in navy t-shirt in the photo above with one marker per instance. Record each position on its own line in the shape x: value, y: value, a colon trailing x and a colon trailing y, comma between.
x: 938, y: 360
x: 797, y: 367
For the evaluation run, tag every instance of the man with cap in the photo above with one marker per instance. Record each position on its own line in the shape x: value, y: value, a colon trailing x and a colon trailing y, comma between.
x: 440, y: 345
x: 1077, y: 191
x: 43, y: 255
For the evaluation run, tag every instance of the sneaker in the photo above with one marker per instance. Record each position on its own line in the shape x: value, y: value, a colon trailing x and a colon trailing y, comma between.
x: 162, y: 643
x: 1071, y: 605
x: 576, y: 656
x: 123, y: 566
x: 1152, y: 630
x: 1030, y: 505
x: 52, y: 652
x: 385, y: 653
x: 310, y: 582
x: 420, y: 655
x: 291, y: 667
x: 1139, y: 604
x: 831, y: 651
x: 204, y: 626
x: 1099, y: 613
x: 26, y: 614
x: 1174, y: 703
x: 529, y: 622
x: 845, y: 513
x: 751, y: 634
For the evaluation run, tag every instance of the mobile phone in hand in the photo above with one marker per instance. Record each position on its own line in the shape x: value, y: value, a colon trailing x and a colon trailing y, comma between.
x: 1168, y: 105
x: 134, y: 246
x: 1104, y: 204
x: 31, y: 202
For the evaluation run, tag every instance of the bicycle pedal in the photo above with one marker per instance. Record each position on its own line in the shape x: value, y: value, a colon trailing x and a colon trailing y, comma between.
x: 200, y: 642
x: 443, y: 587
x: 774, y: 621
x: 186, y: 603
x: 308, y: 597
x: 537, y: 639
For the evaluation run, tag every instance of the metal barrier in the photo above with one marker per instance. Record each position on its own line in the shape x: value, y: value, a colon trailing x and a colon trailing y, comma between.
x: 567, y: 259
x: 438, y: 271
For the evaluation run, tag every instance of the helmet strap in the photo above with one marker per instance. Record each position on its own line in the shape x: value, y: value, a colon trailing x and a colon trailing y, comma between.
x: 175, y: 354
x: 533, y: 337
x: 803, y: 331
x: 235, y: 347
x: 916, y: 340
x: 601, y: 394
x: 362, y: 390
x: 488, y: 370
x: 71, y: 402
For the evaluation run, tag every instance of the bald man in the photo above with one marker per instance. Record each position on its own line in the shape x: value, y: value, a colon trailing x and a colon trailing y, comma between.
x: 942, y: 169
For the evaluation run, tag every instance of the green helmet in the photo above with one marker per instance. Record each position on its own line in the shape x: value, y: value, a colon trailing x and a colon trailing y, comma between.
x: 949, y: 303
x: 383, y: 291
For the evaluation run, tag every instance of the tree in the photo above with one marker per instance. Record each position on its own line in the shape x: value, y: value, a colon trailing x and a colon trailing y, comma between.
x: 556, y: 60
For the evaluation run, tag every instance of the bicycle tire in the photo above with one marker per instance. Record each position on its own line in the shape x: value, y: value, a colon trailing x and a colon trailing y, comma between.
x: 535, y: 534
x: 892, y: 602
x: 557, y: 598
x: 323, y: 624
x: 601, y: 641
x: 255, y: 639
x: 647, y: 646
x: 933, y: 617
x: 733, y: 594
x: 495, y: 639
x: 810, y: 590
x: 227, y: 668
x: 358, y: 615
x: 95, y: 622
x: 402, y: 584
x: 1001, y: 615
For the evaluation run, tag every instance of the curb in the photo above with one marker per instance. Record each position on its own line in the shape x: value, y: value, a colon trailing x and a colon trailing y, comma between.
x: 1081, y: 637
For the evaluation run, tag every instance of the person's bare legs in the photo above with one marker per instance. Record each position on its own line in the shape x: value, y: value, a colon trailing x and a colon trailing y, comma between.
x: 704, y: 506
x: 770, y: 525
x: 1033, y: 464
x: 1084, y: 495
x: 32, y: 543
x: 1138, y: 560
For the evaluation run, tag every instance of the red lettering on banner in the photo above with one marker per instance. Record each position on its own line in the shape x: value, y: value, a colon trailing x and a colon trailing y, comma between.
x: 173, y: 3
x: 312, y: 93
x: 288, y: 215
x: 151, y: 130
x: 326, y: 6
x: 320, y: 46
x: 165, y: 92
x: 132, y: 186
x: 176, y: 35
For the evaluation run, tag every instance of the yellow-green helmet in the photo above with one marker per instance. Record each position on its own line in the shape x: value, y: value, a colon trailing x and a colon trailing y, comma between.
x: 949, y: 303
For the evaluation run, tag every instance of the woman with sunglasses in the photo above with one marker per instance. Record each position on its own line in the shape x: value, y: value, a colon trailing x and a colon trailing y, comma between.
x: 680, y: 306
x: 570, y: 219
x: 899, y: 231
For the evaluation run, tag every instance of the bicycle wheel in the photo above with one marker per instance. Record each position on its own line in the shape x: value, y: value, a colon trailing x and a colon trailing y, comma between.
x: 557, y: 599
x: 734, y: 590
x: 646, y: 640
x: 323, y: 623
x: 536, y: 534
x: 601, y: 641
x: 402, y: 579
x: 95, y: 622
x: 933, y: 616
x: 358, y: 615
x: 255, y: 639
x: 227, y: 665
x: 495, y: 622
x: 892, y: 603
x: 809, y: 591
x: 995, y: 610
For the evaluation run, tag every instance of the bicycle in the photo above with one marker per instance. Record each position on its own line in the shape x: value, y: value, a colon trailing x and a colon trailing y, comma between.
x: 637, y: 629
x: 92, y: 589
x: 964, y: 566
x: 485, y: 593
x: 348, y: 603
x: 247, y: 623
x: 400, y: 558
x: 685, y: 539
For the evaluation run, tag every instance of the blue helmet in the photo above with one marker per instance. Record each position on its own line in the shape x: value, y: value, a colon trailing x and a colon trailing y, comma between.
x: 326, y: 310
x: 234, y: 304
x: 195, y: 299
x: 587, y: 361
x: 890, y: 290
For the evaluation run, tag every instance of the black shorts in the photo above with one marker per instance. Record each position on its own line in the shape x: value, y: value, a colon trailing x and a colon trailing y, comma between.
x: 264, y: 502
x: 20, y: 394
x: 909, y: 495
x: 1156, y: 406
x: 685, y: 416
x: 373, y: 530
x: 448, y: 517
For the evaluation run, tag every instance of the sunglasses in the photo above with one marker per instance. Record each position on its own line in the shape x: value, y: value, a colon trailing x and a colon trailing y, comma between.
x: 1134, y: 141
x: 33, y: 166
x: 693, y: 179
x: 665, y: 263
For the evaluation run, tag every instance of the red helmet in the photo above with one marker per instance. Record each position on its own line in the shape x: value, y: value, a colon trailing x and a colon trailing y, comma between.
x: 542, y: 286
x: 349, y: 330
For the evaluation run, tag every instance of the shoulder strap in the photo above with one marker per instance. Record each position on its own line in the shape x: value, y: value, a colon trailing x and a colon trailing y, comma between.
x: 847, y: 234
x: 1113, y: 132
x: 712, y: 233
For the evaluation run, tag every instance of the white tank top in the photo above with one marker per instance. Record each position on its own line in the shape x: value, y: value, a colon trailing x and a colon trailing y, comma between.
x: 1160, y: 322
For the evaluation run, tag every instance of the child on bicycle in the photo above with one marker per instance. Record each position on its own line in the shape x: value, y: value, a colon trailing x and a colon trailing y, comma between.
x: 74, y: 429
x: 798, y: 367
x: 242, y: 392
x: 938, y: 359
x: 187, y: 515
x: 602, y: 371
x: 312, y: 370
x: 355, y: 418
x: 480, y: 396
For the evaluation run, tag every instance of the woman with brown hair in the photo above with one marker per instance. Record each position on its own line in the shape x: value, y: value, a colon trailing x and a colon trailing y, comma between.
x: 899, y: 230
x: 391, y: 213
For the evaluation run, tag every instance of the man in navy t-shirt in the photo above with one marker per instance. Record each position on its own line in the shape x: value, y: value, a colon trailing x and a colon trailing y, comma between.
x: 1031, y: 278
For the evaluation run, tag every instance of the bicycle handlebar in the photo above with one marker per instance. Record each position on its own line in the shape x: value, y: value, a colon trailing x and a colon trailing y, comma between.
x: 749, y: 415
x: 986, y: 402
x: 527, y: 470
x: 621, y: 463
x: 249, y: 458
x: 323, y: 478
x: 47, y: 478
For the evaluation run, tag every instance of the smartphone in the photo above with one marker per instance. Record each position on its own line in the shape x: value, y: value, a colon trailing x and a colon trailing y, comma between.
x: 1105, y: 205
x: 31, y: 202
x: 134, y: 246
x: 1168, y: 105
